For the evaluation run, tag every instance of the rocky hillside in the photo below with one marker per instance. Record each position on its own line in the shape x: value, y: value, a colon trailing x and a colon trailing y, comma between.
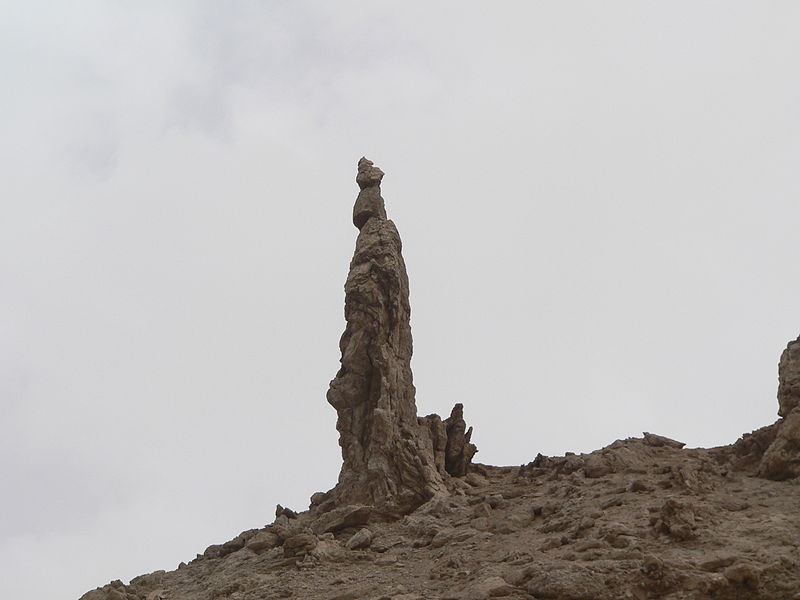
x: 413, y: 518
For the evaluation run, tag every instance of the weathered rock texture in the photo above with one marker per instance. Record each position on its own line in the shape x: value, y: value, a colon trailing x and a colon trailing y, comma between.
x: 392, y: 459
x: 662, y: 523
x: 781, y: 459
x: 459, y: 451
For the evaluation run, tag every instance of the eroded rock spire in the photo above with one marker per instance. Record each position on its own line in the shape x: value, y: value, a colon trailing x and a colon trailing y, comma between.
x: 459, y: 451
x: 392, y: 459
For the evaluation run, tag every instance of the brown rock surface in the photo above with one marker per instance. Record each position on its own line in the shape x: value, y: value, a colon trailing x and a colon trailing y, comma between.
x: 458, y: 451
x: 782, y: 459
x: 789, y: 379
x: 546, y: 534
x: 388, y: 455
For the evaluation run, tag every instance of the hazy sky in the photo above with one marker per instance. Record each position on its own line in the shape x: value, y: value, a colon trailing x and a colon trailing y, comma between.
x: 599, y: 209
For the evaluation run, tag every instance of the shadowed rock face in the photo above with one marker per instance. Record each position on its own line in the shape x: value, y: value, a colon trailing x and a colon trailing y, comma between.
x: 390, y: 457
x: 781, y: 460
x: 789, y: 379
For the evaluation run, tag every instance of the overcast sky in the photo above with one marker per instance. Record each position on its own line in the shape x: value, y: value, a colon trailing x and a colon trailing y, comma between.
x: 598, y: 204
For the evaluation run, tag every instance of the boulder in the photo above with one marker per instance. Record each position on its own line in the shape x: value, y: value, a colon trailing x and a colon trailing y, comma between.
x: 329, y: 551
x: 566, y: 582
x: 284, y: 528
x: 782, y: 458
x: 491, y: 587
x: 360, y: 539
x: 263, y: 540
x: 743, y: 574
x: 677, y: 520
x: 651, y: 439
x: 342, y: 518
x: 318, y: 498
x: 369, y: 202
x: 300, y: 544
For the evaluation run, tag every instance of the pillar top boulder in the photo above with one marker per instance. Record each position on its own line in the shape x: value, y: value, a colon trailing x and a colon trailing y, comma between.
x: 369, y: 203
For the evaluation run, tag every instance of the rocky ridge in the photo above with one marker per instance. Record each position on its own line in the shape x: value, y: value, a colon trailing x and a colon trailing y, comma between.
x: 412, y: 518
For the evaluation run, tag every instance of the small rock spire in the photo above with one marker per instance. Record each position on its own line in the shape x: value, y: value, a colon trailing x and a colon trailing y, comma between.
x: 459, y: 451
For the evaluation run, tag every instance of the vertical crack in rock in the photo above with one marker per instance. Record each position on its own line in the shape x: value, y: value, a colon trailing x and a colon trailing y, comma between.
x: 392, y: 459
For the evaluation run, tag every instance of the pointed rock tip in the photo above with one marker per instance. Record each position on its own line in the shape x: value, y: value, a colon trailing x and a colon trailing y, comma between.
x: 368, y: 174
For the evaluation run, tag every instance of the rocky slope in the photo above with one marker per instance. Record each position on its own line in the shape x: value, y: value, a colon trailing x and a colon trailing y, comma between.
x: 412, y: 518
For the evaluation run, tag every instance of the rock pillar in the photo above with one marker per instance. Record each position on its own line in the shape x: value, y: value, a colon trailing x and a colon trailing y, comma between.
x: 388, y: 453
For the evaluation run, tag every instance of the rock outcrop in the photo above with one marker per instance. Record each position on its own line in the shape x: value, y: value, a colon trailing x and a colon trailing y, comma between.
x: 392, y: 459
x: 789, y: 379
x: 459, y: 451
x: 664, y: 523
x: 781, y: 459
